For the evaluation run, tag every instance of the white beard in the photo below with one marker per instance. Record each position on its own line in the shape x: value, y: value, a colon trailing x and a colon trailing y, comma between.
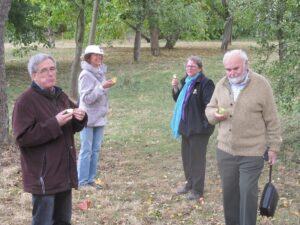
x: 239, y: 79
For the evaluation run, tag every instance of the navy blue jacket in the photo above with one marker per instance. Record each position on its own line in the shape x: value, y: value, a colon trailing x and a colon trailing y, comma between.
x: 195, y: 119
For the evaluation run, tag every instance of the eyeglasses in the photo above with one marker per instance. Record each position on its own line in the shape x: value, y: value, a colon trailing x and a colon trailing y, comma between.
x: 190, y: 66
x: 47, y: 70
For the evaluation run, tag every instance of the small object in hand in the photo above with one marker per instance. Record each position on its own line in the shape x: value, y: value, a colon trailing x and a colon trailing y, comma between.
x: 114, y: 80
x: 68, y: 111
x: 174, y: 76
x: 221, y: 110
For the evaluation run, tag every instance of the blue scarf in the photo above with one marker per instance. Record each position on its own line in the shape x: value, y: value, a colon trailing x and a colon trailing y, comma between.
x: 178, y: 106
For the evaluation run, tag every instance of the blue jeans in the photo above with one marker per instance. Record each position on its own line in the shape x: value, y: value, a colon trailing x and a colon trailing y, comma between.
x: 90, y: 138
x: 53, y: 209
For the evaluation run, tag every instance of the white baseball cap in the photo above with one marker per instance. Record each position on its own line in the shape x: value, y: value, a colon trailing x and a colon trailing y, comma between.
x: 93, y: 49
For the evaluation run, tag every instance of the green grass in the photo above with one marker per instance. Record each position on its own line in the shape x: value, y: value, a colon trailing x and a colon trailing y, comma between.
x: 140, y: 161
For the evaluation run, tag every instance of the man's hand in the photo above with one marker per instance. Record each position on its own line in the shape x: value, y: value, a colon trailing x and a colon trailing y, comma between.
x: 79, y: 114
x: 272, y: 157
x: 63, y: 117
x: 220, y: 117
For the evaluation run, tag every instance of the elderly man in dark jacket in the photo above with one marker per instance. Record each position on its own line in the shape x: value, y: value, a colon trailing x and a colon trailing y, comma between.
x: 44, y: 122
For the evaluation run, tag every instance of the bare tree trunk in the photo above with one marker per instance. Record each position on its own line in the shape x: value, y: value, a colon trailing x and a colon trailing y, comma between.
x: 282, y: 48
x: 4, y: 121
x: 171, y: 41
x: 153, y: 17
x: 92, y: 35
x: 79, y: 38
x: 51, y: 38
x: 154, y: 33
x: 137, y: 44
x: 227, y: 35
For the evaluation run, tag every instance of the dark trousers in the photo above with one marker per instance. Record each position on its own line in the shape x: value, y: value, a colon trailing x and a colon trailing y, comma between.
x: 193, y: 152
x: 52, y: 209
x: 239, y: 175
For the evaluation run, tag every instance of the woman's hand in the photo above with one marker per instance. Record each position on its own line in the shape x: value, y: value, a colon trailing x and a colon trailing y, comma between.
x: 174, y: 83
x: 108, y: 83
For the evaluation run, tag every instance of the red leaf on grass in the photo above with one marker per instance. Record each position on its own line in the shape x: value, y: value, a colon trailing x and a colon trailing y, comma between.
x: 85, y: 205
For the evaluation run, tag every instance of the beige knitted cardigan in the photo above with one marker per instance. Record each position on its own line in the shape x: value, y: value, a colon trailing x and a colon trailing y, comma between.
x: 252, y: 122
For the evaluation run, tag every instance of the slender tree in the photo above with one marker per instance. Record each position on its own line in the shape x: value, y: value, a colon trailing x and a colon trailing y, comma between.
x: 95, y: 14
x: 227, y: 35
x: 153, y: 18
x: 79, y: 38
x: 4, y: 130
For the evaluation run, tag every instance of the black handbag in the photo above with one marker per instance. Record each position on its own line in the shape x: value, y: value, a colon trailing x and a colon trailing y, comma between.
x: 269, y: 198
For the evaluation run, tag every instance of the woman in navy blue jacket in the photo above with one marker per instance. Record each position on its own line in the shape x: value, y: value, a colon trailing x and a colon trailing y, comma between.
x: 189, y: 122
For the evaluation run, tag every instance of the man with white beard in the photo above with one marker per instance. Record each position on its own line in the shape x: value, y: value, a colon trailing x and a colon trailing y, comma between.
x: 244, y: 106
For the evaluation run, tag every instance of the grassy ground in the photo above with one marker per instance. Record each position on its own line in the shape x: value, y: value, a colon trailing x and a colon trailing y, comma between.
x: 140, y: 163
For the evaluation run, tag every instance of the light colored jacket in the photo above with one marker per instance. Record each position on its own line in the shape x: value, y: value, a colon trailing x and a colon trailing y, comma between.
x: 252, y: 122
x: 93, y: 97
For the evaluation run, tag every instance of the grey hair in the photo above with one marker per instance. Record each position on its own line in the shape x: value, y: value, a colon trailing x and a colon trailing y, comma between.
x: 242, y: 54
x: 35, y: 60
x: 195, y: 59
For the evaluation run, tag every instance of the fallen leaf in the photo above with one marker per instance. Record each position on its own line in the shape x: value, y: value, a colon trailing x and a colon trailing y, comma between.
x: 85, y: 205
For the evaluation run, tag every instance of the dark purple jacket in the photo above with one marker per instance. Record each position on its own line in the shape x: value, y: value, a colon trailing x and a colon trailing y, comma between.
x: 48, y: 155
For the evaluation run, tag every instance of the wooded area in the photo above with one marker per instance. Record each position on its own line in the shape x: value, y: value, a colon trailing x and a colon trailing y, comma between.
x: 273, y: 24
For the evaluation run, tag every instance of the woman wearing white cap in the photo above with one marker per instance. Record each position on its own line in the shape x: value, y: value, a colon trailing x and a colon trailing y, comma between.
x: 93, y: 88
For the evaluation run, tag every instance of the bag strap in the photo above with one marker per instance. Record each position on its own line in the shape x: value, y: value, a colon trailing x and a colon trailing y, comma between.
x: 270, y: 174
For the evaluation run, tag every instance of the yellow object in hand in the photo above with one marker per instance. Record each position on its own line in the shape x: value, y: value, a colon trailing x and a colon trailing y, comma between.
x: 221, y: 110
x: 114, y: 80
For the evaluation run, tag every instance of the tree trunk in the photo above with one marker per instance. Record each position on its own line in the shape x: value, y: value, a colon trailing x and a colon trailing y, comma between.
x: 171, y: 41
x: 137, y: 44
x: 154, y: 33
x: 282, y: 48
x: 153, y: 17
x: 227, y: 34
x: 4, y: 121
x: 51, y: 38
x: 92, y: 35
x: 79, y: 38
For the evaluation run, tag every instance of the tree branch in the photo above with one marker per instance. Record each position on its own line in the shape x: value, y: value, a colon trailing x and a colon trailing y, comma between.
x: 135, y: 29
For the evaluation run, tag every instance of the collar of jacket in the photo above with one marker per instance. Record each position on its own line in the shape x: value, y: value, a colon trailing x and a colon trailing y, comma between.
x: 45, y: 92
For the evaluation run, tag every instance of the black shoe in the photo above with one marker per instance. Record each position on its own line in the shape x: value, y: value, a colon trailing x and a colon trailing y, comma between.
x: 183, y: 190
x: 193, y: 195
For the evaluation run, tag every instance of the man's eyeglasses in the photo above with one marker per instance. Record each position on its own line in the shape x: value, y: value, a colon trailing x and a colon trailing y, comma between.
x: 47, y: 70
